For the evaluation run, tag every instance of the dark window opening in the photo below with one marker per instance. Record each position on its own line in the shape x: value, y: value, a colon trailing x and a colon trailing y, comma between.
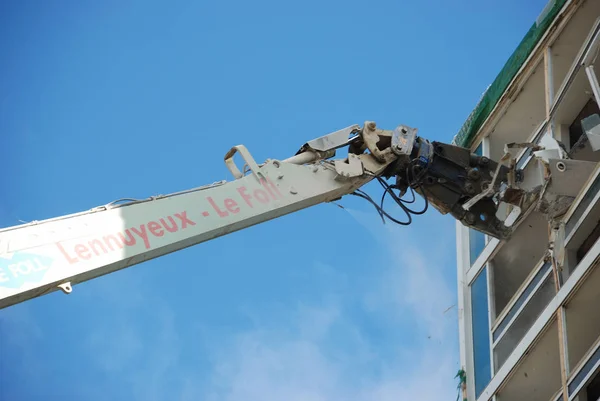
x: 593, y: 389
x: 588, y: 243
x: 576, y: 130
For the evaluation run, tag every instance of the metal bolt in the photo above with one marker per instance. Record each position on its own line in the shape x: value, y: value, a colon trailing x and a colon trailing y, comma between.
x: 280, y: 176
x: 473, y: 174
x: 293, y: 191
x: 470, y: 218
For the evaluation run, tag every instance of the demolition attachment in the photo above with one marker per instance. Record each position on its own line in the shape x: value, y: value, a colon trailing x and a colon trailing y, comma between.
x: 450, y: 178
x: 489, y: 196
x: 486, y: 195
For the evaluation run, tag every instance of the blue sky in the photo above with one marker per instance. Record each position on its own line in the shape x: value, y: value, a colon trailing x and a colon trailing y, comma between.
x: 113, y: 99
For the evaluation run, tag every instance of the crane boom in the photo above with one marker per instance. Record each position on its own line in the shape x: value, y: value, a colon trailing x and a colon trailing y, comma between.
x: 492, y: 197
x: 41, y: 257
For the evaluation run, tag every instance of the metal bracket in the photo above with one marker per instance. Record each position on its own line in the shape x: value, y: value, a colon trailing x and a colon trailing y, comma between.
x: 353, y: 167
x: 66, y: 287
x: 332, y: 141
x: 371, y: 136
x: 403, y: 140
x: 230, y: 163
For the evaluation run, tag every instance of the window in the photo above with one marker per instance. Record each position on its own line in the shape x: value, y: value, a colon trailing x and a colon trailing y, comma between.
x: 583, y: 205
x: 588, y: 243
x: 576, y: 130
x: 582, y: 229
x: 481, y: 332
x: 476, y: 244
x: 593, y: 389
x: 533, y: 285
x: 590, y: 366
x: 476, y: 238
x: 526, y: 316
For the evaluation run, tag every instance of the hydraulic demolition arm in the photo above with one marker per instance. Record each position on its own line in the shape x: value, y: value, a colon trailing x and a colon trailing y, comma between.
x: 43, y: 256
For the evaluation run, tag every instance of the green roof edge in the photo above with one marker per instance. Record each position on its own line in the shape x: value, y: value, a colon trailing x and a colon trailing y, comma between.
x: 494, y: 92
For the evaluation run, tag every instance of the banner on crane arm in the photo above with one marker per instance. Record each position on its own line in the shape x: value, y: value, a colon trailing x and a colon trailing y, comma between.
x: 137, y: 229
x: 82, y: 247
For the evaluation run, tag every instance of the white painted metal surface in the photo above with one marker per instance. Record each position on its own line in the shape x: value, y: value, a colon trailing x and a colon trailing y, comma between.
x: 41, y: 257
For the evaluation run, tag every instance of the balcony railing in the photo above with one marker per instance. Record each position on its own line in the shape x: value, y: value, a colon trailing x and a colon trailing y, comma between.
x: 520, y: 299
x: 591, y: 194
x: 529, y: 305
x: 585, y: 371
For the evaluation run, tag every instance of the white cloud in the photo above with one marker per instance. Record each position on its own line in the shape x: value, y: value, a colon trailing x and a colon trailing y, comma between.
x: 318, y: 350
x: 309, y: 364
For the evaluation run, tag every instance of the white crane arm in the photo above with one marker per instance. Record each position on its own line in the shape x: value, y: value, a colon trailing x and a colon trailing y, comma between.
x: 41, y: 257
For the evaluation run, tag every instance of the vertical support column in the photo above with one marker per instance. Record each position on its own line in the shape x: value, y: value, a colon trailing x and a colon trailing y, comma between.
x: 464, y: 309
x: 485, y: 146
x: 491, y: 313
x: 562, y: 339
x: 561, y: 134
x: 461, y: 283
x: 549, y: 97
x: 549, y: 79
x: 563, y: 330
x: 560, y: 317
x: 486, y: 151
x: 463, y: 316
x: 549, y: 87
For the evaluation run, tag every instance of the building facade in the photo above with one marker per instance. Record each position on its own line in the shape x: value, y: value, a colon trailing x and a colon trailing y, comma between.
x: 529, y: 323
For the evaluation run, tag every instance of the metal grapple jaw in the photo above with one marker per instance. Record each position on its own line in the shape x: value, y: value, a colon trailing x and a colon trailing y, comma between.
x: 453, y: 180
x: 479, y: 192
x: 457, y: 182
x: 490, y: 196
